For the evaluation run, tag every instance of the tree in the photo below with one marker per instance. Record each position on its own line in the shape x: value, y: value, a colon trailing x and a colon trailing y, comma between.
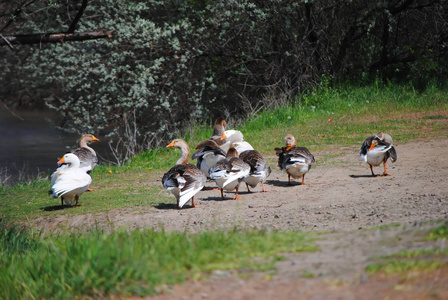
x: 172, y: 63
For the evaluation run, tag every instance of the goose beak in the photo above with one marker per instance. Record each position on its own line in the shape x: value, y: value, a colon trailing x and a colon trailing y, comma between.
x: 61, y: 161
x: 170, y: 145
x: 95, y: 139
x: 371, y: 146
x: 223, y: 137
x: 288, y: 147
x: 197, y: 147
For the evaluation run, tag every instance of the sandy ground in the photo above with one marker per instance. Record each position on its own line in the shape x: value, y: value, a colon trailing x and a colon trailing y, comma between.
x: 341, y: 198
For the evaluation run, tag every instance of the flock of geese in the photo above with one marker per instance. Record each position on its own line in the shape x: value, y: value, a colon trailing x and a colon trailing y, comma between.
x: 225, y: 158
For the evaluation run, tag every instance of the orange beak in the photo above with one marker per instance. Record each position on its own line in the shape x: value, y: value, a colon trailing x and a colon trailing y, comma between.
x: 371, y: 146
x: 61, y: 161
x: 197, y: 147
x: 223, y: 137
x: 170, y: 145
x: 95, y: 139
x: 288, y: 147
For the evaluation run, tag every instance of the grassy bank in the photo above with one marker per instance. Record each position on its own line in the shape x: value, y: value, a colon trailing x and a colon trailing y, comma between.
x: 97, y: 264
x: 355, y: 112
x: 408, y: 261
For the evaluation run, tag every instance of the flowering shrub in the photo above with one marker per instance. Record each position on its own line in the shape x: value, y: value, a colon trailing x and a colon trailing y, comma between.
x: 172, y: 63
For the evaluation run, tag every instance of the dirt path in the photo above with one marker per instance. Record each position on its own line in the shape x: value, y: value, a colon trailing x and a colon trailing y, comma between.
x: 340, y: 197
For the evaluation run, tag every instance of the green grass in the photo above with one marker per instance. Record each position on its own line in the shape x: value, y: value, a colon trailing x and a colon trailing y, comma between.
x: 421, y: 260
x: 440, y: 232
x: 356, y: 112
x: 98, y: 264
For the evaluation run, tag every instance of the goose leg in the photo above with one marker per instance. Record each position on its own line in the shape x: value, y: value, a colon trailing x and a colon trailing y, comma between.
x: 62, y: 201
x: 248, y: 188
x: 385, y: 173
x: 236, y: 195
x: 76, y: 200
x: 289, y: 179
x: 303, y: 179
x: 192, y: 202
x: 262, y: 186
x: 371, y: 170
x: 222, y: 194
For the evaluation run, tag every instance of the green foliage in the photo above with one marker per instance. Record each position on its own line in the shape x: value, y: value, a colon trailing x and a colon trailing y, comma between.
x: 397, y: 267
x: 440, y: 232
x: 176, y: 63
x: 16, y: 240
x: 420, y: 260
x: 98, y: 264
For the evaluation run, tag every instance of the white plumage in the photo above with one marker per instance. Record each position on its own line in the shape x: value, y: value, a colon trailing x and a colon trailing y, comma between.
x: 69, y: 182
x: 235, y: 139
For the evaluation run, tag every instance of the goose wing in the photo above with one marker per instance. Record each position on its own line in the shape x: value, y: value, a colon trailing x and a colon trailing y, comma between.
x: 187, y: 178
x: 299, y: 155
x: 70, y: 180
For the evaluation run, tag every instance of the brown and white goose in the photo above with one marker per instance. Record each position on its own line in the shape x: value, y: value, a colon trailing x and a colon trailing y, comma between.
x: 228, y: 173
x: 377, y: 149
x: 259, y: 170
x: 208, y: 154
x: 218, y: 130
x: 69, y: 182
x: 296, y: 161
x: 87, y: 156
x: 184, y: 180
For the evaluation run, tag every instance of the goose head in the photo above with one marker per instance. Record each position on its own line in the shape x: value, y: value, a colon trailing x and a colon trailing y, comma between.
x: 184, y: 150
x: 220, y: 127
x: 232, y: 153
x: 87, y: 139
x: 232, y: 136
x: 374, y: 143
x: 70, y: 159
x: 205, y: 143
x: 290, y: 141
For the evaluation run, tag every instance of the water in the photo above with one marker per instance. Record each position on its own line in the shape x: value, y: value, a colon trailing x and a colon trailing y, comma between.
x: 30, y: 145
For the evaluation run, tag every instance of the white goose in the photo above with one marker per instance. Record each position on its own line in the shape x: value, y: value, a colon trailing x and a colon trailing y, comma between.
x: 69, y: 182
x: 235, y: 139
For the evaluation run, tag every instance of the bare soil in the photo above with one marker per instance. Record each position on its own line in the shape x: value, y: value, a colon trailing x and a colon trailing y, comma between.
x: 341, y: 198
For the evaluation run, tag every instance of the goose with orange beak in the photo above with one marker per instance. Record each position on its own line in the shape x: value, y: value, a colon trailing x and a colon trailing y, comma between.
x: 235, y: 139
x: 70, y: 182
x: 85, y: 153
x: 295, y: 161
x: 184, y: 180
x: 377, y: 149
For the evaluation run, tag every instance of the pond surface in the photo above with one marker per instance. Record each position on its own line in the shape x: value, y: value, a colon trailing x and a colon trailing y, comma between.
x: 31, y: 145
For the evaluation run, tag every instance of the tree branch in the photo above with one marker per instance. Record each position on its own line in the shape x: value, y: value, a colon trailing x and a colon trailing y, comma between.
x: 55, y: 37
x: 78, y: 17
x: 16, y: 13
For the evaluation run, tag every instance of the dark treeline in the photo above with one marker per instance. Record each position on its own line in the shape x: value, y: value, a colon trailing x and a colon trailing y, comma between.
x: 171, y: 63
